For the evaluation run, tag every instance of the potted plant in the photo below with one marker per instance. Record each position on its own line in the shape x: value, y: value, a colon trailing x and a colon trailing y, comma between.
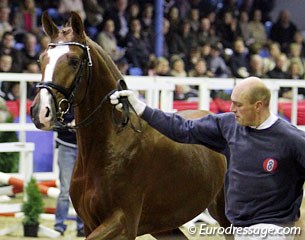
x: 32, y: 208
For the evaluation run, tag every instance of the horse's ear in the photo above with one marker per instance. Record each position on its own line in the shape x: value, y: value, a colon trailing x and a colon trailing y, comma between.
x: 49, y: 26
x: 77, y: 25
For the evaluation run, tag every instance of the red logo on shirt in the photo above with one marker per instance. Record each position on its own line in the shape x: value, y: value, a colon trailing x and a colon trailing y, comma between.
x: 270, y: 165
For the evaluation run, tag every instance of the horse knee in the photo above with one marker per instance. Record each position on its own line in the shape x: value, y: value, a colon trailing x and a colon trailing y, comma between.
x: 114, y: 228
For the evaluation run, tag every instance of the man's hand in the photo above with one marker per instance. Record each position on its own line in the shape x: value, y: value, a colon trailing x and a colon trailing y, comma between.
x: 138, y: 105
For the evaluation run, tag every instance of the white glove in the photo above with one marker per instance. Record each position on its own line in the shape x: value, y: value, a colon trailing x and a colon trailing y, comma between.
x: 138, y: 105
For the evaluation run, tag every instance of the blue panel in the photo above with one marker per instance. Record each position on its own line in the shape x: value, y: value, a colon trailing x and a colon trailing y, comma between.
x: 44, y: 148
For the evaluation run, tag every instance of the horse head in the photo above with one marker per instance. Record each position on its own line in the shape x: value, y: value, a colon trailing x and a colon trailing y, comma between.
x: 64, y: 64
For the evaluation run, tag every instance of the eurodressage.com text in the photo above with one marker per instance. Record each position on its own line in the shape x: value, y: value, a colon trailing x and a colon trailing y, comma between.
x: 205, y: 230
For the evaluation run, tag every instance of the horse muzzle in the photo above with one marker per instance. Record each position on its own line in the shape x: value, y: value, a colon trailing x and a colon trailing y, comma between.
x: 42, y: 113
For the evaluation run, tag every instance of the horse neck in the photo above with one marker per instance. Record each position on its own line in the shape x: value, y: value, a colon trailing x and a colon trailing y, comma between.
x: 103, y: 80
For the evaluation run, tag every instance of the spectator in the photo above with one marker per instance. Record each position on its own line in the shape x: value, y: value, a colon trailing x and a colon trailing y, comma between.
x: 216, y: 65
x: 146, y: 19
x: 107, y: 40
x: 25, y: 20
x: 133, y: 11
x: 13, y: 92
x: 229, y: 30
x: 32, y: 67
x: 67, y: 154
x: 199, y: 70
x: 182, y: 41
x: 203, y: 33
x: 174, y: 19
x: 295, y: 56
x: 279, y: 72
x: 239, y: 61
x: 5, y: 25
x: 66, y: 6
x: 205, y: 50
x: 295, y: 74
x: 193, y: 57
x: 177, y: 67
x: 283, y: 30
x: 6, y: 62
x: 161, y: 68
x: 94, y: 13
x: 182, y: 92
x: 244, y: 27
x: 294, y: 71
x: 7, y: 48
x: 194, y: 19
x: 29, y: 52
x: 257, y: 30
x: 138, y: 48
x: 274, y: 51
x: 256, y: 66
x: 119, y: 15
x: 298, y: 38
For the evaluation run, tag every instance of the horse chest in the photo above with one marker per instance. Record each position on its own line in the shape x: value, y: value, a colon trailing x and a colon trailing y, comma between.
x: 91, y: 201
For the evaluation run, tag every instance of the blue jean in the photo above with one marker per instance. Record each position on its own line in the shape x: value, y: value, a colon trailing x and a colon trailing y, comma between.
x: 66, y: 159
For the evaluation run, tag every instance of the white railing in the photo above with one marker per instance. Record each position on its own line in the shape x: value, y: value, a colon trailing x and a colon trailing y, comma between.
x: 158, y: 93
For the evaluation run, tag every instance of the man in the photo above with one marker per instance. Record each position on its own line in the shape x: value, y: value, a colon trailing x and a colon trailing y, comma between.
x: 266, y: 156
x: 67, y: 154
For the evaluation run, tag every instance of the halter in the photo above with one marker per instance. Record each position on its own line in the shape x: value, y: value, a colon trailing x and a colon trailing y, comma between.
x: 68, y: 93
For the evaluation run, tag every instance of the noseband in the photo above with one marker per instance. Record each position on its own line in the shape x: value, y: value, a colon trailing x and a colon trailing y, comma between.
x: 70, y: 92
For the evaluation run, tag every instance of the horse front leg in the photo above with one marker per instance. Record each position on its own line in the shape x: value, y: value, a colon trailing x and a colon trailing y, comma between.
x: 117, y: 227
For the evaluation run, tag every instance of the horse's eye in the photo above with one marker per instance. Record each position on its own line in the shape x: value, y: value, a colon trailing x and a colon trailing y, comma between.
x: 73, y: 62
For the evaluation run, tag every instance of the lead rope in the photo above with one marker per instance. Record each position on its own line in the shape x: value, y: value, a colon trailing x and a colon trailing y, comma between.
x: 126, y: 109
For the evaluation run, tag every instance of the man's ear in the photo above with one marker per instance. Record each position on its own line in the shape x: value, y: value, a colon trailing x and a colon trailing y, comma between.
x: 259, y: 106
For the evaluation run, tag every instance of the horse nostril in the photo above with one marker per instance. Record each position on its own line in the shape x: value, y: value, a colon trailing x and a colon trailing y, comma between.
x: 48, y: 112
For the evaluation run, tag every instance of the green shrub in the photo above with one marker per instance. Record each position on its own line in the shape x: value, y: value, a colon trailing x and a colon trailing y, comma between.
x: 34, y: 204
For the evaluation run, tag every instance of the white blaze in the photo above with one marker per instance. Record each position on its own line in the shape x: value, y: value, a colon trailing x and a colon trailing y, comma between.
x: 54, y: 54
x: 45, y: 97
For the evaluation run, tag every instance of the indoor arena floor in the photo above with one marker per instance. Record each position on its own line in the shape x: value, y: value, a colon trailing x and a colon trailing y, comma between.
x: 70, y: 234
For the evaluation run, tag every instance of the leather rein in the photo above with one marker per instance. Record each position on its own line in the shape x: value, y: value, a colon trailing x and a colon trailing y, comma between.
x: 70, y: 93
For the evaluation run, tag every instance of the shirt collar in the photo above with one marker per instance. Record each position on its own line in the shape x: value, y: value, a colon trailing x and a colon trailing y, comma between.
x: 267, y: 123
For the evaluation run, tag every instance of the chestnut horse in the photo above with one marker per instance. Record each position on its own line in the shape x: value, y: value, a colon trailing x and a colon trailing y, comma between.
x: 125, y: 183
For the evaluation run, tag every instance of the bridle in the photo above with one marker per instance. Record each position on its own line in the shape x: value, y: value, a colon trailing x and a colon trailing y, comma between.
x: 70, y: 93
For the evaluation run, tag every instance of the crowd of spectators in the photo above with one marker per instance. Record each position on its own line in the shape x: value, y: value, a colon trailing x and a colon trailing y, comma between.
x: 202, y: 38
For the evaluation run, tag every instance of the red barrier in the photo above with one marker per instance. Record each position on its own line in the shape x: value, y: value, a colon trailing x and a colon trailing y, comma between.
x: 49, y: 191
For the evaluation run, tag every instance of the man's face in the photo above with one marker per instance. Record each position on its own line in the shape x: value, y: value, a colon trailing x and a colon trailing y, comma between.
x: 8, y: 41
x: 245, y: 112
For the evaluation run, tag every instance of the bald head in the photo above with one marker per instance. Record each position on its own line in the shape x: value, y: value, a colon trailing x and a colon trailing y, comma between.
x: 254, y: 89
